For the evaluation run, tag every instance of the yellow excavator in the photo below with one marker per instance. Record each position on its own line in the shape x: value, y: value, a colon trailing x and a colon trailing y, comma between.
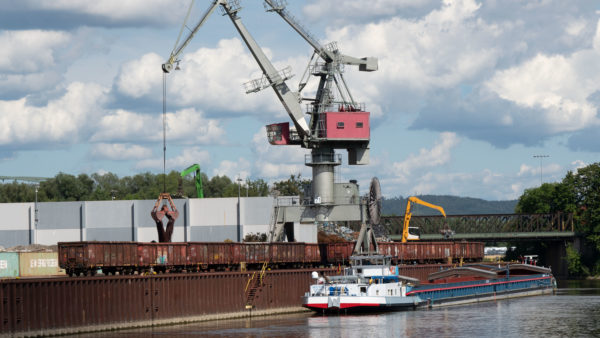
x: 406, y: 236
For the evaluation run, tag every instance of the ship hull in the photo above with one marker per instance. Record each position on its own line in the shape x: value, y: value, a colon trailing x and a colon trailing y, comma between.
x: 353, y: 304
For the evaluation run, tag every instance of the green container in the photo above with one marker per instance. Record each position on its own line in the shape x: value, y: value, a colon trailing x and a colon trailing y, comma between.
x: 9, y: 265
x: 34, y: 264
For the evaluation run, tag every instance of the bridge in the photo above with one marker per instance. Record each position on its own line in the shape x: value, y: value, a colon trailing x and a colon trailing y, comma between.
x: 555, y: 230
x: 487, y: 228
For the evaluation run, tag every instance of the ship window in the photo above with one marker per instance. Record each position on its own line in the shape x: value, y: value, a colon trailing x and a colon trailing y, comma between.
x: 340, y: 125
x: 363, y: 289
x: 359, y: 270
x: 359, y: 124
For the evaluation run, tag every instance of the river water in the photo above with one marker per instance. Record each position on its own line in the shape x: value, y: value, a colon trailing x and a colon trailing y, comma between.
x: 574, y: 311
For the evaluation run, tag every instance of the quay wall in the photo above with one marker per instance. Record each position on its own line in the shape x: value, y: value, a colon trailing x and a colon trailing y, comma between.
x: 52, y: 306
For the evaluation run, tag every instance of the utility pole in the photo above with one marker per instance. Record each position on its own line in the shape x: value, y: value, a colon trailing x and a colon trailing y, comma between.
x: 541, y: 157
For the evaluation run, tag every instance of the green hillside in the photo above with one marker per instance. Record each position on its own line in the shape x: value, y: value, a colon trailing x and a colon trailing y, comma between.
x: 453, y: 205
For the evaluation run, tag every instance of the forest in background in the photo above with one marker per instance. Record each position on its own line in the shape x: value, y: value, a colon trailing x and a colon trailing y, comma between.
x: 453, y: 205
x: 96, y: 187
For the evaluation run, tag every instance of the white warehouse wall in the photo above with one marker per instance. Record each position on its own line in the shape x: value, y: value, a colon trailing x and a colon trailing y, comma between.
x: 201, y: 220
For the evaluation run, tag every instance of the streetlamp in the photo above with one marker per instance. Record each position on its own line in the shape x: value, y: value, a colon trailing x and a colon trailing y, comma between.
x: 541, y: 157
x: 239, y: 235
x: 35, y: 220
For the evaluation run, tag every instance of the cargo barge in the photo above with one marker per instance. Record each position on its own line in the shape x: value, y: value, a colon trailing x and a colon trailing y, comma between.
x: 373, y: 284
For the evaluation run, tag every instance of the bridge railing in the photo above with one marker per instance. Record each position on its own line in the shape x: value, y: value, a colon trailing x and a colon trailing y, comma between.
x: 489, y: 223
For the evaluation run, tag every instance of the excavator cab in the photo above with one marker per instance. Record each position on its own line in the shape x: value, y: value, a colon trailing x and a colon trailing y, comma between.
x: 414, y: 233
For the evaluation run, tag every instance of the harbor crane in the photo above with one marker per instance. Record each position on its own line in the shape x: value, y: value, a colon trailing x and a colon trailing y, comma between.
x: 336, y: 119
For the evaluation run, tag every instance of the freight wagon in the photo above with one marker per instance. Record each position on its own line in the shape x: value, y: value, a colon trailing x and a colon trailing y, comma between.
x: 432, y: 252
x: 130, y: 257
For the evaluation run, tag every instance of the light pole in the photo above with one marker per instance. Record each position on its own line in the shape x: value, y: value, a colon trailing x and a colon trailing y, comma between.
x: 541, y: 157
x: 35, y: 219
x: 239, y: 235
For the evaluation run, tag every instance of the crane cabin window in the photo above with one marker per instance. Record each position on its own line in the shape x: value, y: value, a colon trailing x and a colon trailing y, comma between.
x: 340, y: 125
x: 359, y: 124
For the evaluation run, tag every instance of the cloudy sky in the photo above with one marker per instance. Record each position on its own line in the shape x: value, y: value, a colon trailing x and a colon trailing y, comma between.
x: 466, y: 94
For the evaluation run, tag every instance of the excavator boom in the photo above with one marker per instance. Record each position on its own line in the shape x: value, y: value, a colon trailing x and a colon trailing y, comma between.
x: 408, y: 215
x: 195, y: 168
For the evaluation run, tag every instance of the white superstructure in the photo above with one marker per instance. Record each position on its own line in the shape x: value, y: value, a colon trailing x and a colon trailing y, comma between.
x: 371, y: 283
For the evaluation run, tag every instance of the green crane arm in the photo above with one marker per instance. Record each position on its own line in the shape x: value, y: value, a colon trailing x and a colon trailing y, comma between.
x: 195, y: 168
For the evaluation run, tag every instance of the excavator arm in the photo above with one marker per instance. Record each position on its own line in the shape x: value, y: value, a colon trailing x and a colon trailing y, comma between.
x: 195, y: 168
x: 408, y: 215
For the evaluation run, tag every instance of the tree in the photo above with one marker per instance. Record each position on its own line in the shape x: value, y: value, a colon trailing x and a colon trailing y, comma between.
x: 577, y: 193
x: 257, y: 188
x: 293, y: 186
x: 549, y: 198
x: 219, y: 186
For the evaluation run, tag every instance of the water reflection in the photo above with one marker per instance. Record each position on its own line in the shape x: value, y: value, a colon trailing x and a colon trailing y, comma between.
x: 574, y: 311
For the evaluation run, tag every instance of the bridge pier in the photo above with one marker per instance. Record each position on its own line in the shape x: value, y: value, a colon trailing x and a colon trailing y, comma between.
x: 556, y: 258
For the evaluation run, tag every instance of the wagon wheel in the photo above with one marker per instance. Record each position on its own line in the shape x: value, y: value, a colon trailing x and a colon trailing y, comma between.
x: 374, y: 202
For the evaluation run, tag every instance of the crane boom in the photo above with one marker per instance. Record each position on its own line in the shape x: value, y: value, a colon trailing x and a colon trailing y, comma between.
x: 366, y: 64
x: 408, y: 215
x: 288, y: 98
x: 168, y: 66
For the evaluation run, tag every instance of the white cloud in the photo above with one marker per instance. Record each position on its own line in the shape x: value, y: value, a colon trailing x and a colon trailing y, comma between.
x: 526, y: 170
x: 186, y: 126
x: 63, y: 120
x: 29, y: 51
x: 557, y: 84
x: 150, y: 11
x: 234, y: 169
x: 120, y: 151
x: 187, y: 157
x: 348, y: 10
x: 577, y: 164
x: 141, y: 77
x: 425, y: 53
x: 438, y: 155
x: 212, y: 78
x: 277, y: 162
